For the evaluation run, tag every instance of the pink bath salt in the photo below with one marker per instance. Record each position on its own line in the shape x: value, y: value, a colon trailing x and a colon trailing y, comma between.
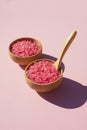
x: 42, y: 72
x: 25, y: 48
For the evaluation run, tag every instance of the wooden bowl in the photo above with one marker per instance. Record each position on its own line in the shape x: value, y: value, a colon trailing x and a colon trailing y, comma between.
x: 43, y: 87
x: 26, y: 59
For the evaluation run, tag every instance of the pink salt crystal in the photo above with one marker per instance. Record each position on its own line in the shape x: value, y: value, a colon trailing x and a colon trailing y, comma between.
x: 25, y: 48
x: 42, y: 72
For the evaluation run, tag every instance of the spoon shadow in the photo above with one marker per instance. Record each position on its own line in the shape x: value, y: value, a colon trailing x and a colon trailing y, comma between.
x: 70, y: 94
x: 47, y: 57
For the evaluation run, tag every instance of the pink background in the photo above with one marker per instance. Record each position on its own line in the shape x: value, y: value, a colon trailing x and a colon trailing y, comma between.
x: 49, y: 21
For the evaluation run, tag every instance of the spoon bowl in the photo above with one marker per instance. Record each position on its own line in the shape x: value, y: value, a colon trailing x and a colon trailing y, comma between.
x: 45, y: 87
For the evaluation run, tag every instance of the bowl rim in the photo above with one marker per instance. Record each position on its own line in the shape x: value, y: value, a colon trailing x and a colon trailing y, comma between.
x: 45, y: 84
x: 25, y: 38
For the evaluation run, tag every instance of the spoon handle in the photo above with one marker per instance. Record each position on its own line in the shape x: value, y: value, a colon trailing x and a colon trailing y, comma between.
x: 66, y: 46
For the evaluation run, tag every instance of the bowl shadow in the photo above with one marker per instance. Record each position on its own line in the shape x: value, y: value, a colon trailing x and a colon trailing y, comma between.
x: 22, y: 67
x: 70, y: 94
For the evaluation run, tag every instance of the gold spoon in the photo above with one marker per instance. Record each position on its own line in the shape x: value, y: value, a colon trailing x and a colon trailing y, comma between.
x: 68, y: 42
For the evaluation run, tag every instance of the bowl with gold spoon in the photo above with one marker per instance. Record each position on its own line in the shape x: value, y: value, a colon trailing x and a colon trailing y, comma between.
x: 44, y: 75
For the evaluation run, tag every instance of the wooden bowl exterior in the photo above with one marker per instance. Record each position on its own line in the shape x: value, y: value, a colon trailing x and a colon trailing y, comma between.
x: 43, y: 87
x: 25, y: 60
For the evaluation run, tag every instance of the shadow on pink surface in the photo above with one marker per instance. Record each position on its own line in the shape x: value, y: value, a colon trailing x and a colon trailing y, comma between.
x: 70, y: 94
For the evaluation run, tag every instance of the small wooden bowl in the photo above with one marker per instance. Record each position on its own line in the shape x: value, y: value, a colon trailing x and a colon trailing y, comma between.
x: 27, y: 59
x: 43, y: 87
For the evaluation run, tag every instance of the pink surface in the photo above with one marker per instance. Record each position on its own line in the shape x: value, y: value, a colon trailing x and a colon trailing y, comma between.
x: 49, y: 21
